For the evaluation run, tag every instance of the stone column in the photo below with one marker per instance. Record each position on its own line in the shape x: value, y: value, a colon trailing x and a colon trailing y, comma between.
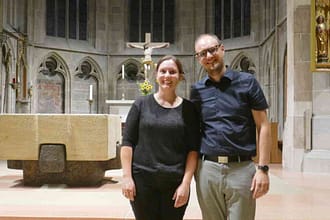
x: 299, y: 83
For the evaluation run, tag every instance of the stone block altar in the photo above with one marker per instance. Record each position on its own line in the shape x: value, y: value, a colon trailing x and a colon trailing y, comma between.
x: 72, y: 149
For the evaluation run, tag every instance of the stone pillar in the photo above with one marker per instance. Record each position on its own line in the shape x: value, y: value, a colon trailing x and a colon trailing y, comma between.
x: 299, y: 83
x: 306, y: 132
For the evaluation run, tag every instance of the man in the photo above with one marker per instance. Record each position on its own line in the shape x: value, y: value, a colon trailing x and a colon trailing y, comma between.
x: 233, y: 107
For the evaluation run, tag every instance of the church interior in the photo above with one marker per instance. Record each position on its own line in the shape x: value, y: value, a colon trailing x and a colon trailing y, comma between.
x: 81, y: 63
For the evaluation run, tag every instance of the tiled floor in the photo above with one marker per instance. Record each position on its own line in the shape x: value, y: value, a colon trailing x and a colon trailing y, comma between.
x: 293, y: 196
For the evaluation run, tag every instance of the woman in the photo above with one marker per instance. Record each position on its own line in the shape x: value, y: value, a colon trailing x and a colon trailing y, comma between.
x: 160, y: 148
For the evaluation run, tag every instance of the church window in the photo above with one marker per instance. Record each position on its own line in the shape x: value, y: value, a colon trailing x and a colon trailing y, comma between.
x: 67, y: 19
x: 151, y: 16
x: 232, y: 18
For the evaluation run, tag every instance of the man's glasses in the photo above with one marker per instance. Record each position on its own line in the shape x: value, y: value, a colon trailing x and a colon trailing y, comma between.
x: 211, y: 50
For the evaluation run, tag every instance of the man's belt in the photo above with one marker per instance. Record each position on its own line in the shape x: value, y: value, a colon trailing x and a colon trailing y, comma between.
x: 226, y: 159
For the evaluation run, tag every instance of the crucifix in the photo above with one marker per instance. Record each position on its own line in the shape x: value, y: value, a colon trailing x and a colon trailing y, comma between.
x: 147, y: 46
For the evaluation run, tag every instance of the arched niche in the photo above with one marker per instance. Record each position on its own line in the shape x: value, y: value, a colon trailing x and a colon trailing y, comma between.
x: 129, y: 73
x: 87, y: 87
x: 52, y: 87
x: 243, y: 63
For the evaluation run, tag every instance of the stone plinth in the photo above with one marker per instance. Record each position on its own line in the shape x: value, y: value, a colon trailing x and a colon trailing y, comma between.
x: 66, y: 148
x: 86, y: 137
x: 317, y: 158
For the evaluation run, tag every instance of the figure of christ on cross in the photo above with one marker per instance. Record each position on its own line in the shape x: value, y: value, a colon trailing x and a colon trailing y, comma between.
x: 147, y: 46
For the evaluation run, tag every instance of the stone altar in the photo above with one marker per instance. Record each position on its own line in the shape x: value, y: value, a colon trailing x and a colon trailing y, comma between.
x: 60, y: 148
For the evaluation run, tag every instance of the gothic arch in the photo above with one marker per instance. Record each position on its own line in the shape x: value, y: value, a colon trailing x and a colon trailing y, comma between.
x: 133, y: 70
x: 126, y: 85
x: 8, y: 55
x: 53, y: 65
x: 243, y: 62
x: 95, y: 70
x: 61, y: 67
x: 7, y: 76
x: 87, y: 76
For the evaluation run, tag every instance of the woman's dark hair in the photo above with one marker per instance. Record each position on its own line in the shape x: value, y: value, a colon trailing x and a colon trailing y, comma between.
x: 170, y: 57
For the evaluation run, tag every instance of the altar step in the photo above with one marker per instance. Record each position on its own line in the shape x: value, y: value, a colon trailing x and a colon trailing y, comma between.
x: 289, y: 198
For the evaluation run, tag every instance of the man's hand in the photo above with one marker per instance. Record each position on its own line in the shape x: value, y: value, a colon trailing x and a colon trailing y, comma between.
x: 260, y: 184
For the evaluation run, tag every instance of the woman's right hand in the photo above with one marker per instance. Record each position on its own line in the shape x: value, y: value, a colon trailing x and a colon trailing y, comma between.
x: 128, y: 188
x: 128, y: 185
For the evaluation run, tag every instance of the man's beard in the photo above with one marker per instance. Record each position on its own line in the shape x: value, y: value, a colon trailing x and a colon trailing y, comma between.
x: 216, y: 67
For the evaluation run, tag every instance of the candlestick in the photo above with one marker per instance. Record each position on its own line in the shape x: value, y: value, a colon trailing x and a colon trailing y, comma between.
x: 90, y: 92
x: 123, y: 71
x: 90, y: 103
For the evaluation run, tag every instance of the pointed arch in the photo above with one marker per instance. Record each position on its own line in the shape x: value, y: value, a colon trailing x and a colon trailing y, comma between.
x: 7, y: 76
x: 132, y: 68
x: 52, y: 85
x: 126, y: 87
x: 95, y: 70
x: 62, y: 67
x: 243, y: 62
x: 8, y: 55
x: 87, y: 76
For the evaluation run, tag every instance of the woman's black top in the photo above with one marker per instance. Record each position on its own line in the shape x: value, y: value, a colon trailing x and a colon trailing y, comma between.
x: 161, y: 137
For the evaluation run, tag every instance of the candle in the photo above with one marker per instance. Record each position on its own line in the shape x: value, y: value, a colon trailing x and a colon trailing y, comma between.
x: 123, y: 71
x: 90, y: 92
x: 145, y: 71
